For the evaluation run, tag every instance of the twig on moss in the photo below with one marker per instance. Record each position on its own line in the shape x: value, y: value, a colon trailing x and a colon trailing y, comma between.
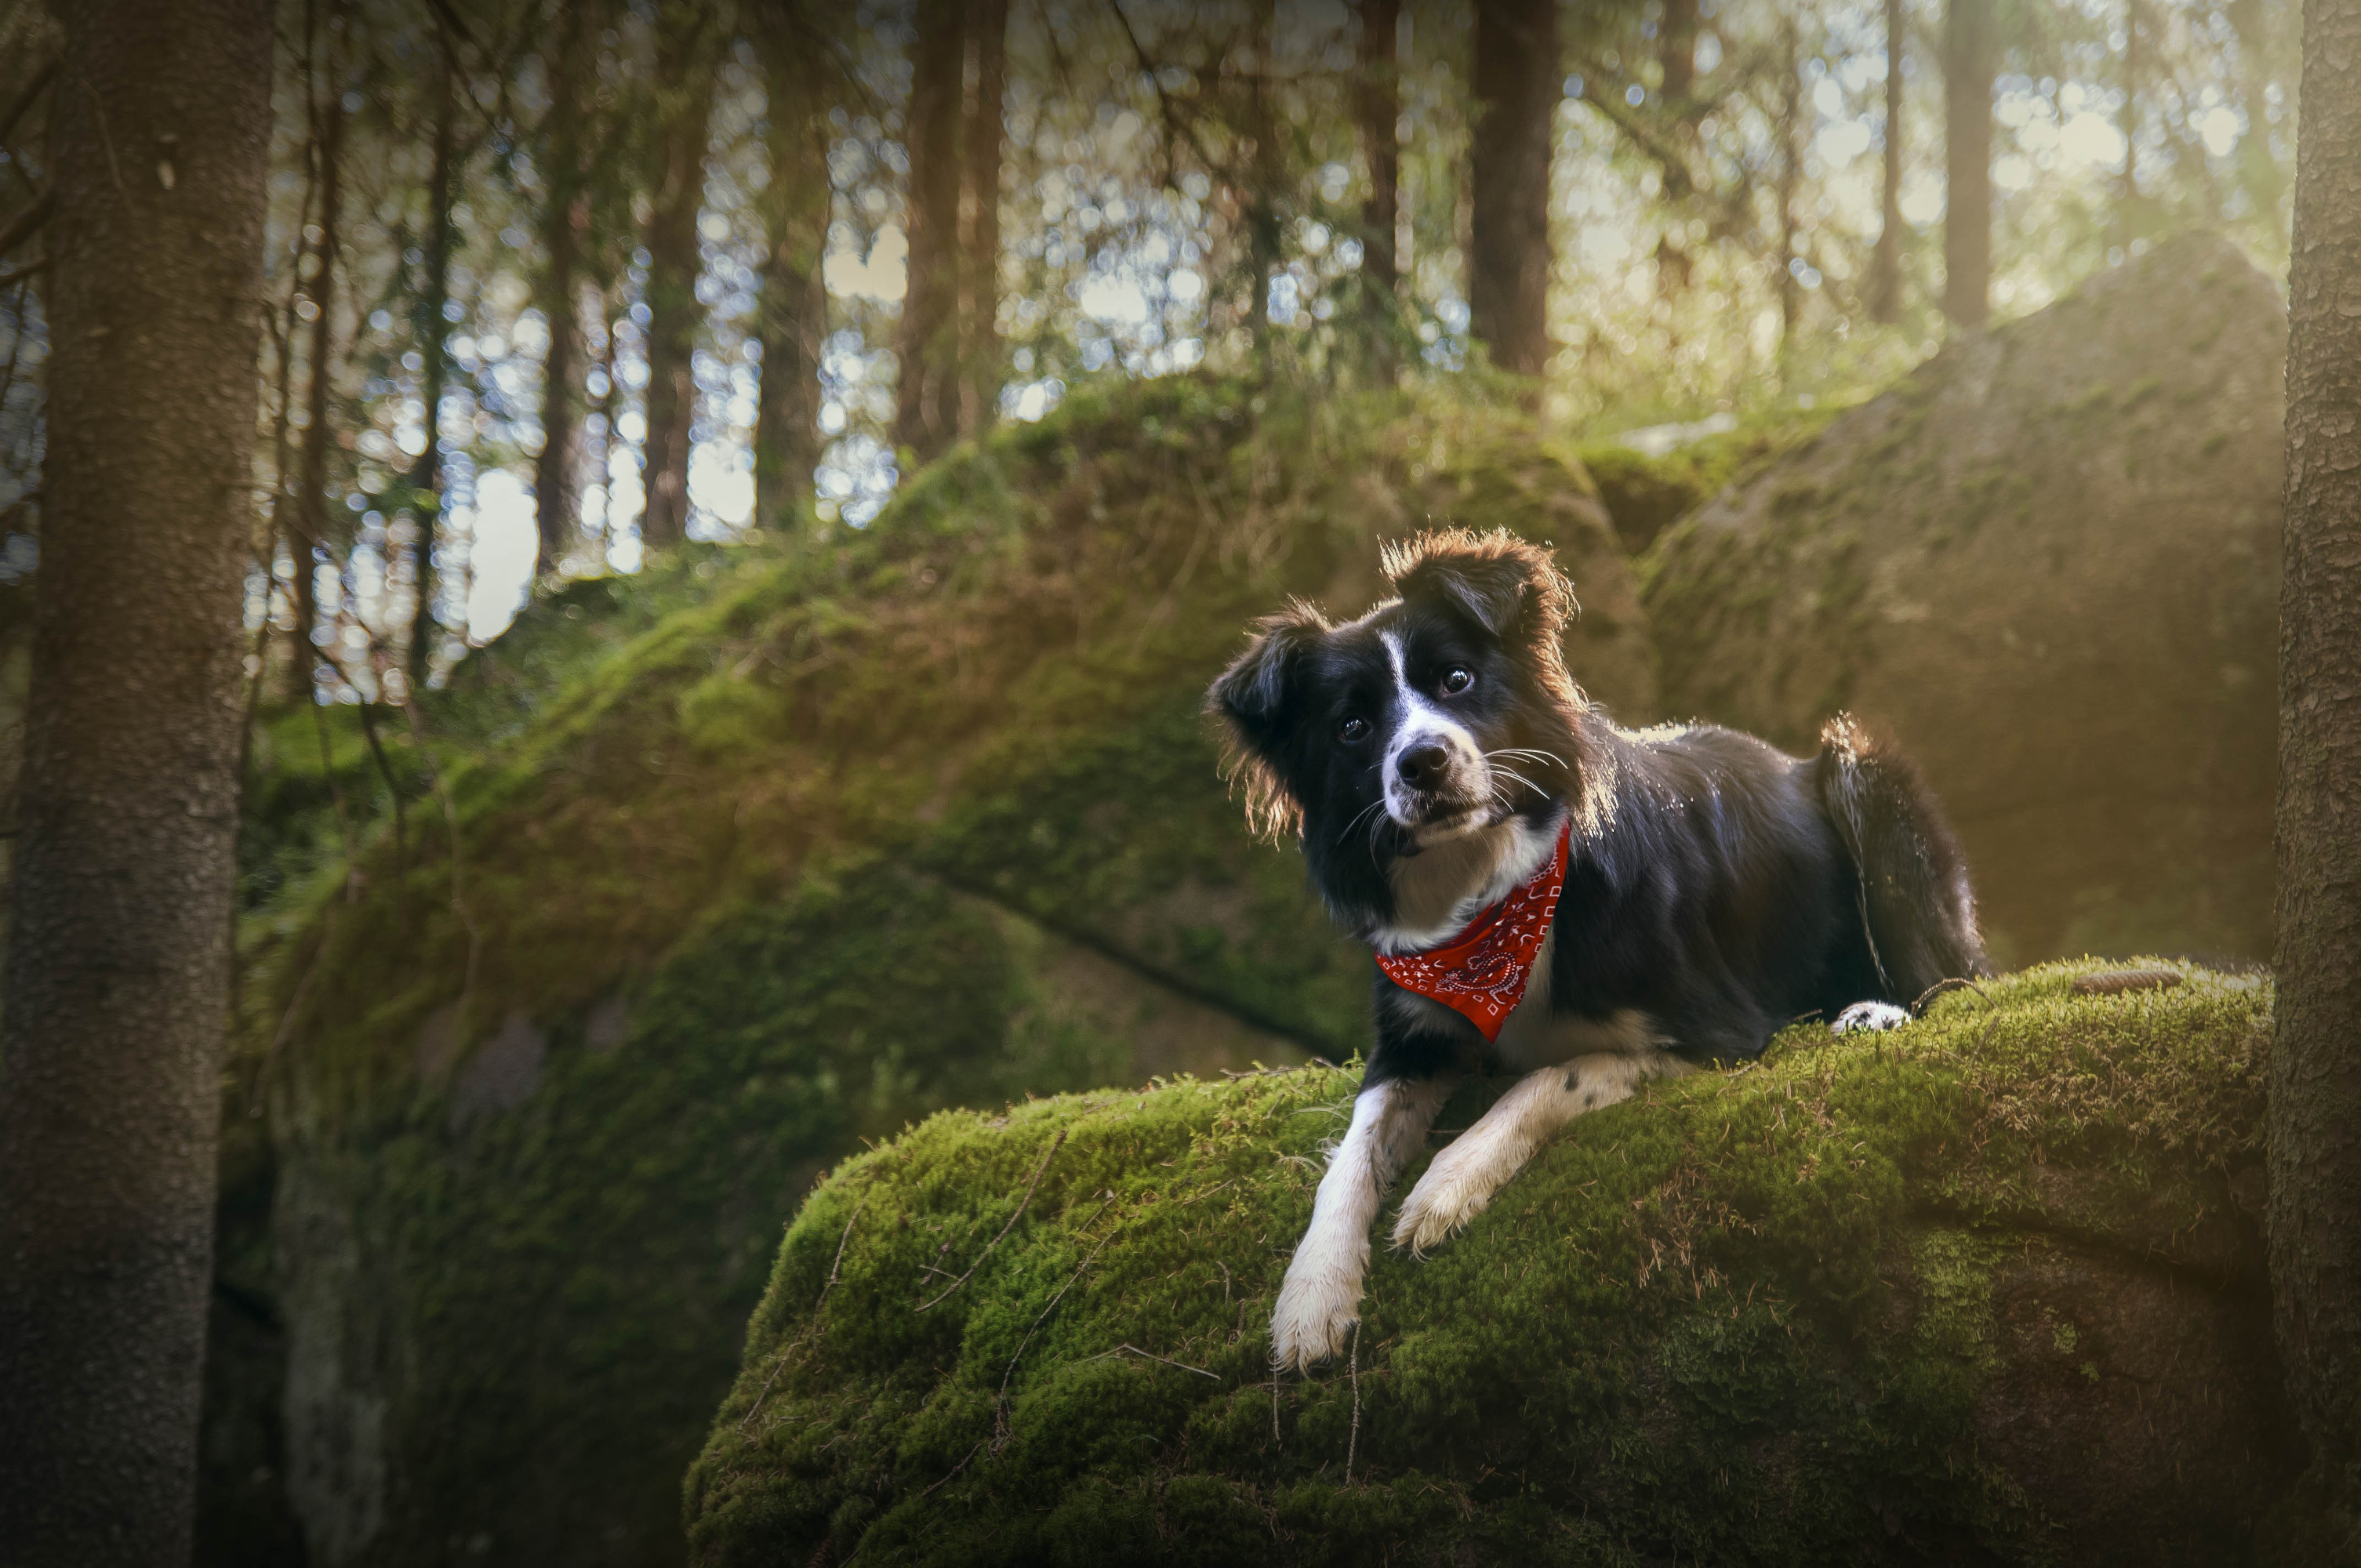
x: 1353, y: 1443
x: 956, y: 1468
x: 1055, y: 1143
x: 1956, y: 982
x: 1001, y: 1401
x: 1128, y: 1349
x: 834, y: 1270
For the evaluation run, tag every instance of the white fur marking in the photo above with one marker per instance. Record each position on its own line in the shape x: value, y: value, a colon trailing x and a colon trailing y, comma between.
x: 1871, y: 1017
x: 1320, y: 1300
x: 1461, y: 1182
x: 1425, y: 723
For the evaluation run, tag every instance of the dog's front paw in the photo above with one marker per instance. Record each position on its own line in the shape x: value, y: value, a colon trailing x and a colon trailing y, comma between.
x: 1871, y: 1017
x: 1451, y: 1193
x: 1316, y: 1311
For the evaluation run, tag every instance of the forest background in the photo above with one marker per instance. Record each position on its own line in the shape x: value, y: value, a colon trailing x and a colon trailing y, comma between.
x: 572, y: 310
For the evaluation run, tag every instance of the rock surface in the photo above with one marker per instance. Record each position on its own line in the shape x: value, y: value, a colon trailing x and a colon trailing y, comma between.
x: 1987, y: 1290
x: 2049, y: 561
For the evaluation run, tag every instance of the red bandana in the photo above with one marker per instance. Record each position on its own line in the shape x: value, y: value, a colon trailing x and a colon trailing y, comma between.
x: 1481, y: 973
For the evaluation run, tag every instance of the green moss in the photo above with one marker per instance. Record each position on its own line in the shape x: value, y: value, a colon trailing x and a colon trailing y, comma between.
x: 1645, y: 495
x: 1745, y: 1318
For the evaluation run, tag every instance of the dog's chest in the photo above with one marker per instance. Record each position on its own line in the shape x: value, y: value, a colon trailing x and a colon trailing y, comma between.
x: 1537, y: 1035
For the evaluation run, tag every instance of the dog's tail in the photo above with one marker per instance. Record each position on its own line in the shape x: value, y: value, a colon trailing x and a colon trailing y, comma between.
x: 1911, y: 881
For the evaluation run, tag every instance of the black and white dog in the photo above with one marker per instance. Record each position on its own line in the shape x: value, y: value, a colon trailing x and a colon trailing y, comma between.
x: 1551, y: 894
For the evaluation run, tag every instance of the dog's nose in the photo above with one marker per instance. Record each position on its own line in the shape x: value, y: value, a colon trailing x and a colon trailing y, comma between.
x: 1421, y: 766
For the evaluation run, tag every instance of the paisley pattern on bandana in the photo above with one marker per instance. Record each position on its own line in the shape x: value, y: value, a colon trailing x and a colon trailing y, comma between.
x: 1482, y: 972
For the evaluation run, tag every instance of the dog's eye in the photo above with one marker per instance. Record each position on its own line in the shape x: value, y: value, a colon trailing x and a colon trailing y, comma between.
x: 1458, y: 680
x: 1353, y: 730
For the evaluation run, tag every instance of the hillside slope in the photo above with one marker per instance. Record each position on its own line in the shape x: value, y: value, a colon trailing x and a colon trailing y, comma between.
x: 915, y: 817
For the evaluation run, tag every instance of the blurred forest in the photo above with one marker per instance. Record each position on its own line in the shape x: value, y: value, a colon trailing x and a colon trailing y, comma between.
x: 746, y: 495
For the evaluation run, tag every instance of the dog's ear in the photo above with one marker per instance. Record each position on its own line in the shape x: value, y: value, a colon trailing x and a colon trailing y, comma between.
x: 1510, y: 587
x: 1252, y: 699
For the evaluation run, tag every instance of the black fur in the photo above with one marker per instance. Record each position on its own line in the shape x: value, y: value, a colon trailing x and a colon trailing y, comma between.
x: 1715, y: 885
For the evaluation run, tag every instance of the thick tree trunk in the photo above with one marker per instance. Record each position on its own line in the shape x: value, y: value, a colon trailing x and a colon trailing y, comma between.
x: 556, y: 494
x: 1517, y: 91
x: 926, y: 343
x: 1885, y: 265
x: 683, y: 78
x: 793, y: 323
x: 1968, y: 63
x: 430, y: 327
x: 2315, y: 1115
x: 987, y: 30
x: 117, y: 974
x: 312, y: 534
x: 1377, y: 107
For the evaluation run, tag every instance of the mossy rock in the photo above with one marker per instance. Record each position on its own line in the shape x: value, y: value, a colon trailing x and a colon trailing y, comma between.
x: 1987, y: 1290
x: 1646, y: 493
x: 763, y: 861
x: 2049, y: 561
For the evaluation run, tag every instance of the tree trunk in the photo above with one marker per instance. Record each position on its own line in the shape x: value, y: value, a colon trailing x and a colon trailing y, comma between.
x: 1517, y: 93
x: 312, y: 531
x: 2128, y: 196
x: 1378, y: 102
x: 987, y: 30
x: 1968, y: 63
x: 793, y: 323
x: 1791, y: 174
x: 2315, y: 1075
x: 926, y: 344
x: 555, y: 491
x: 1885, y: 265
x: 429, y: 329
x: 683, y: 78
x: 1265, y: 175
x: 118, y: 976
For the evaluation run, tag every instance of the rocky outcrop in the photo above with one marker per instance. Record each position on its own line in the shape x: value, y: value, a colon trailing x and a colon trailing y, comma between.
x: 2049, y: 560
x: 922, y: 817
x: 1988, y: 1289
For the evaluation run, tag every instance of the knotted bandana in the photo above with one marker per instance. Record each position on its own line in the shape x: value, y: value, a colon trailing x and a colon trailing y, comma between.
x: 1482, y: 972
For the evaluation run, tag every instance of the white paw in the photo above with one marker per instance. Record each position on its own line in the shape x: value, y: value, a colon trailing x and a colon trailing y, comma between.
x: 1451, y: 1193
x: 1319, y: 1302
x: 1871, y: 1017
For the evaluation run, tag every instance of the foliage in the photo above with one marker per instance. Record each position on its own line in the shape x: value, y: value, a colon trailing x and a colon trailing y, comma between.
x: 1746, y: 1317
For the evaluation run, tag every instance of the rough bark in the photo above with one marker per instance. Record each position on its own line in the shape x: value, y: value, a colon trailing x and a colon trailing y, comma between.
x: 794, y: 300
x: 1886, y: 264
x: 987, y: 29
x: 683, y: 80
x: 1378, y: 107
x: 1517, y: 91
x: 1969, y: 52
x: 2315, y: 1100
x: 926, y: 343
x: 312, y: 510
x: 557, y: 487
x: 429, y: 330
x: 118, y: 973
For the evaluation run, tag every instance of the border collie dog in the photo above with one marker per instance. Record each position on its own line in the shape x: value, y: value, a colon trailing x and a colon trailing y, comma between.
x: 1550, y: 894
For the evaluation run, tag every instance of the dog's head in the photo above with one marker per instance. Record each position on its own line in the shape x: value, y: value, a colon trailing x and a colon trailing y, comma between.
x: 1438, y: 714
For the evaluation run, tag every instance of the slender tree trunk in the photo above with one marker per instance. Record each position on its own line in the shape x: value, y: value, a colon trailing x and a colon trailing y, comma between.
x: 1517, y: 93
x: 926, y: 344
x: 2314, y: 1217
x: 1791, y: 172
x: 1969, y: 52
x: 1377, y: 105
x: 685, y: 79
x: 1263, y: 218
x: 793, y: 304
x: 1677, y: 52
x: 1885, y: 265
x: 2259, y: 168
x: 429, y: 329
x: 118, y: 976
x: 987, y: 31
x: 311, y: 544
x: 2127, y: 198
x: 557, y: 498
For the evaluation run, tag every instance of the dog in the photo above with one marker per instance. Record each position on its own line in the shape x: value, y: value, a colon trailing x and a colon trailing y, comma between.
x: 1551, y: 894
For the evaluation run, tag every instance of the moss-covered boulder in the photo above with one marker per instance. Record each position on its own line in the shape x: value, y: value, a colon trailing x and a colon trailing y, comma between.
x: 1988, y: 1289
x: 764, y: 859
x: 2050, y: 560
